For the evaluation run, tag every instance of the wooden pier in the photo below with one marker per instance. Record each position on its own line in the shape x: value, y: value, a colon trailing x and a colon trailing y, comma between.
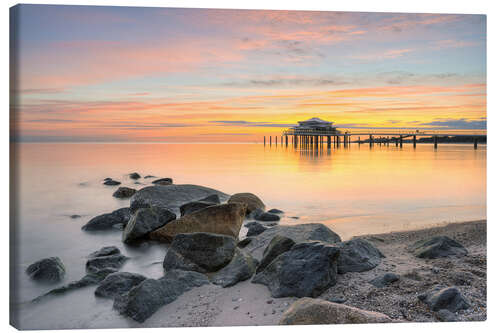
x: 315, y: 138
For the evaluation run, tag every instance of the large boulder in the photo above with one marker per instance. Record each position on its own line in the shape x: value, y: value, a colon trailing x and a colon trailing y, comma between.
x: 241, y: 268
x: 309, y: 311
x: 171, y: 197
x: 298, y: 233
x: 278, y: 245
x: 358, y: 255
x: 194, y: 206
x: 144, y: 221
x: 251, y: 200
x: 201, y: 252
x: 306, y: 270
x: 147, y: 297
x: 118, y: 283
x: 124, y: 192
x: 118, y: 218
x: 437, y: 247
x: 221, y: 219
x: 444, y: 298
x: 47, y: 270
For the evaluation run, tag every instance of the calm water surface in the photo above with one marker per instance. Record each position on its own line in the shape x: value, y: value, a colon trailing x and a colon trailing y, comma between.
x: 354, y: 191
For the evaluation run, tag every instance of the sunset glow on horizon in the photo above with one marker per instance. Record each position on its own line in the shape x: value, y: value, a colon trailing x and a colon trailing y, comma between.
x: 84, y: 73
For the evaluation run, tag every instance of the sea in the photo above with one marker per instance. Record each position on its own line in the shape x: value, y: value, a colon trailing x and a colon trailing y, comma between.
x: 353, y: 190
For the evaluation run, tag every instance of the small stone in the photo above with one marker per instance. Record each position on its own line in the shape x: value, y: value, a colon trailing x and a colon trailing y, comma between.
x: 134, y: 175
x: 111, y: 182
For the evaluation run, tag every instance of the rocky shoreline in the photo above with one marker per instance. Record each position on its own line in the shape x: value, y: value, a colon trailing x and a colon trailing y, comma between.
x: 277, y: 274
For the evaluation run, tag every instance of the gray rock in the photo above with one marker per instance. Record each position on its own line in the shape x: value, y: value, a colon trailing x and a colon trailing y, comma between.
x: 170, y: 197
x: 358, y: 255
x: 143, y: 300
x: 384, y: 280
x: 445, y: 315
x: 163, y: 181
x: 278, y: 245
x: 134, y: 175
x: 201, y: 252
x: 75, y: 216
x: 118, y: 283
x: 108, y: 221
x: 144, y: 221
x: 47, y: 270
x: 124, y: 192
x: 105, y: 251
x: 241, y: 268
x: 114, y: 261
x: 255, y: 229
x: 251, y: 200
x: 194, y: 206
x: 149, y: 176
x: 266, y: 217
x: 275, y: 211
x: 437, y: 247
x: 299, y: 233
x: 447, y: 298
x: 306, y: 270
x: 111, y: 182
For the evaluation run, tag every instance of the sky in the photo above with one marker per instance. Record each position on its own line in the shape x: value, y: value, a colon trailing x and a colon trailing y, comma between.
x: 119, y: 74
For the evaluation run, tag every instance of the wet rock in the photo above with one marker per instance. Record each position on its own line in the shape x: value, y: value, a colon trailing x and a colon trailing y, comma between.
x: 47, y: 270
x: 384, y: 280
x: 163, y: 181
x: 306, y: 270
x: 275, y: 211
x: 278, y: 245
x: 244, y: 242
x: 255, y: 229
x: 106, y: 179
x: 111, y: 182
x: 437, y: 247
x: 223, y: 219
x: 309, y: 311
x: 114, y: 261
x: 447, y: 298
x: 75, y: 216
x: 134, y: 175
x: 170, y: 197
x: 241, y: 268
x: 118, y: 283
x: 147, y: 297
x: 124, y: 192
x: 445, y: 315
x: 105, y: 251
x: 144, y: 221
x: 201, y: 252
x: 259, y: 215
x: 251, y: 200
x: 149, y: 176
x: 194, y: 206
x: 109, y: 220
x: 298, y: 233
x: 358, y: 255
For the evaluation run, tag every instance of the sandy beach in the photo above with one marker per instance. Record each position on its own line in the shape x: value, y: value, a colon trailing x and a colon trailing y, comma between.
x: 247, y: 303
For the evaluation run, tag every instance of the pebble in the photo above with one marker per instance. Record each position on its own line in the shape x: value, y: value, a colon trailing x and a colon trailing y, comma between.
x: 270, y: 301
x: 236, y: 307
